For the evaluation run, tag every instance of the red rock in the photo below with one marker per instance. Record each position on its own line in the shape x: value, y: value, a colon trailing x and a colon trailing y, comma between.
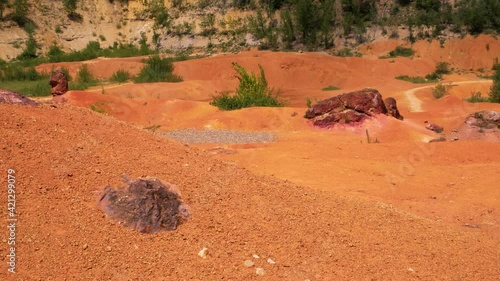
x: 58, y: 82
x: 353, y: 107
x: 10, y: 97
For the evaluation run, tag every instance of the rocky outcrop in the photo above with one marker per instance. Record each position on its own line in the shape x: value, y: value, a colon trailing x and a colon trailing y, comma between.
x: 10, y: 97
x: 483, y: 125
x: 486, y: 119
x: 392, y: 108
x: 347, y: 108
x: 58, y: 83
x: 147, y: 205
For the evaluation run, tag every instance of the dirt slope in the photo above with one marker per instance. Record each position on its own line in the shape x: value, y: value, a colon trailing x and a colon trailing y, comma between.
x: 64, y: 156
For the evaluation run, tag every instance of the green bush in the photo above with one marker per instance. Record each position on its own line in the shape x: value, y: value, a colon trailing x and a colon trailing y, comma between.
x: 442, y: 68
x: 401, y: 52
x: 84, y: 75
x: 495, y: 88
x: 16, y: 72
x: 29, y: 88
x: 414, y: 79
x: 347, y: 52
x: 157, y: 70
x: 439, y: 91
x: 252, y: 91
x: 477, y: 97
x: 120, y: 76
x: 330, y: 88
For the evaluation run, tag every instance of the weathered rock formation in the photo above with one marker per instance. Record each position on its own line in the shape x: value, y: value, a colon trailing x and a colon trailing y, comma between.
x: 392, y: 109
x: 58, y: 82
x: 482, y: 125
x: 14, y: 98
x: 146, y: 205
x: 353, y: 107
x: 486, y: 119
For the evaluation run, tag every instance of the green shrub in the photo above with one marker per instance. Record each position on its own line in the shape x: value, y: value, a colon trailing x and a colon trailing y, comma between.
x: 477, y: 97
x: 84, y: 75
x: 120, y: 76
x: 440, y: 91
x: 401, y: 52
x: 16, y: 72
x: 252, y: 91
x: 495, y: 88
x: 157, y: 70
x: 29, y: 88
x: 346, y: 52
x: 413, y: 79
x: 330, y: 88
x: 442, y: 68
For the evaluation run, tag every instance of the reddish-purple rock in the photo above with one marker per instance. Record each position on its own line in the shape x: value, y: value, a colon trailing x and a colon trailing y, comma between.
x: 353, y: 107
x: 10, y: 97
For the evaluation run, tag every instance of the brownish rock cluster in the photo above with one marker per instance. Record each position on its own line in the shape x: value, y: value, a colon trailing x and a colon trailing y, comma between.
x: 353, y: 107
x: 58, y: 83
x: 146, y: 205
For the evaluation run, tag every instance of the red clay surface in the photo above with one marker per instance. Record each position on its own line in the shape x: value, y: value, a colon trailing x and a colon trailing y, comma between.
x: 323, y: 204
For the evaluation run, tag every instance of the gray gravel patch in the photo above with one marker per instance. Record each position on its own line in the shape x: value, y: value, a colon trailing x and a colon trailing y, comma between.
x: 192, y: 136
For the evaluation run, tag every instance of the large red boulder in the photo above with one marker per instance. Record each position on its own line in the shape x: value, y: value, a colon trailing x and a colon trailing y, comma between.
x: 58, y: 83
x: 14, y: 98
x: 353, y: 107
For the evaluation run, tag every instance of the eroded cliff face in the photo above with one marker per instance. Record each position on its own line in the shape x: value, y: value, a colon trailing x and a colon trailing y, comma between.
x: 115, y: 23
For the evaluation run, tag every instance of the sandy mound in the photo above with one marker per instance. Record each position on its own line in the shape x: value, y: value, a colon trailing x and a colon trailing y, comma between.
x: 235, y: 214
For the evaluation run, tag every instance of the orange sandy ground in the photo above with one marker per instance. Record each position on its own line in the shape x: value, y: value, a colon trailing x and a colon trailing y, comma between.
x: 446, y: 196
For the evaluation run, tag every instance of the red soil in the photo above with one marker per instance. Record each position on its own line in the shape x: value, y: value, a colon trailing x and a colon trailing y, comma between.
x: 324, y: 204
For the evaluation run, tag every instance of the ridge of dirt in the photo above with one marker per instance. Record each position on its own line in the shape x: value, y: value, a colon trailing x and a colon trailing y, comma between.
x: 64, y: 156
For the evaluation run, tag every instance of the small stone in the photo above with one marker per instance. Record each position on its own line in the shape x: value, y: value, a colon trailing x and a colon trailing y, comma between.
x: 108, y: 249
x: 203, y: 253
x: 248, y: 263
x: 271, y: 261
x: 260, y: 271
x: 255, y: 256
x: 85, y: 246
x: 410, y: 269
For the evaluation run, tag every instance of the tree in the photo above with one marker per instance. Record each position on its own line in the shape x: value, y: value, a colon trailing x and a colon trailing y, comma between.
x: 3, y: 3
x: 287, y: 28
x: 327, y: 21
x: 70, y: 6
x: 307, y: 19
x: 31, y: 47
x: 20, y: 12
x: 495, y: 88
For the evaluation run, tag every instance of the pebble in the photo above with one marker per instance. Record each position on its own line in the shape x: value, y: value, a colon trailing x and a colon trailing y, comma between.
x: 271, y: 261
x: 85, y: 246
x: 260, y: 271
x: 108, y: 249
x: 248, y: 263
x: 219, y: 136
x: 255, y: 256
x: 203, y: 253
